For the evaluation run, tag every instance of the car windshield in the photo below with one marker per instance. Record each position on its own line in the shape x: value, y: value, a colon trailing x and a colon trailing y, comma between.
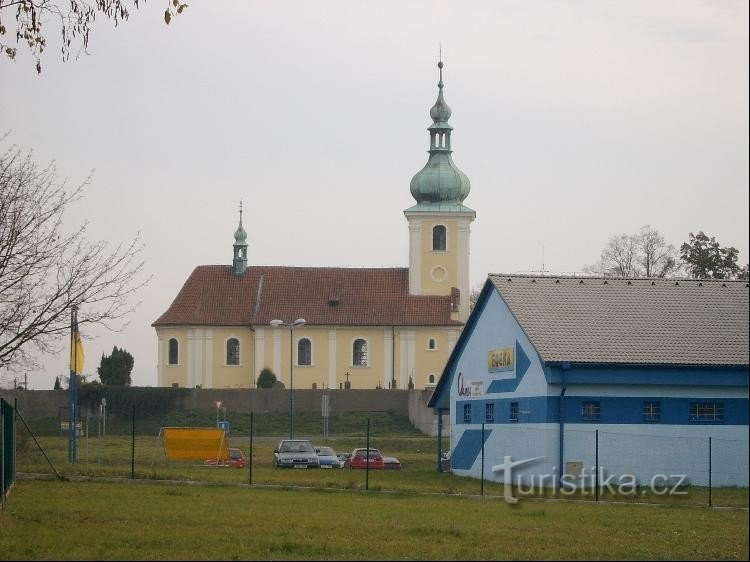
x: 373, y: 453
x: 235, y: 454
x: 296, y: 447
x: 326, y: 451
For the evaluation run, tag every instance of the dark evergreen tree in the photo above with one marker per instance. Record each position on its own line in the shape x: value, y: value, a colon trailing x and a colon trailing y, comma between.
x: 266, y: 378
x: 57, y: 383
x: 115, y: 369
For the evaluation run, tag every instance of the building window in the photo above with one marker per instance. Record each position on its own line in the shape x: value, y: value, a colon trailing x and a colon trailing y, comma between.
x: 360, y: 353
x: 467, y: 413
x: 513, y: 412
x: 489, y: 412
x: 431, y: 379
x: 590, y: 410
x: 431, y: 344
x: 174, y: 348
x: 706, y: 412
x: 233, y: 351
x: 651, y: 411
x: 438, y: 238
x: 304, y: 352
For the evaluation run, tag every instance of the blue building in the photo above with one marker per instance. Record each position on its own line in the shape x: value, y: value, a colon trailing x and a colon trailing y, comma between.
x: 636, y: 379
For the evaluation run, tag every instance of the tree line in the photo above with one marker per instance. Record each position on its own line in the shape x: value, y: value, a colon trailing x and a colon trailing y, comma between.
x: 646, y: 254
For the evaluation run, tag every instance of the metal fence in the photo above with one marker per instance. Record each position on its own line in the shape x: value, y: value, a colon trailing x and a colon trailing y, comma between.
x: 597, y: 462
x: 7, y: 448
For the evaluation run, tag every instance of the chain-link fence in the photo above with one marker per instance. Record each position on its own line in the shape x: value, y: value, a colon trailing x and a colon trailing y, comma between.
x: 610, y: 464
x: 597, y: 464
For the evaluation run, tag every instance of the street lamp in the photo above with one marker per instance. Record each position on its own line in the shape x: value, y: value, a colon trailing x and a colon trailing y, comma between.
x: 297, y: 323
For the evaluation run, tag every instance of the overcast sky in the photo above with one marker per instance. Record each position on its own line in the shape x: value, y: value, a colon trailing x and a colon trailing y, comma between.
x: 575, y: 121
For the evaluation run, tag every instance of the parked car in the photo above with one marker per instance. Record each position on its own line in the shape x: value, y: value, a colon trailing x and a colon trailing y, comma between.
x: 328, y: 458
x: 295, y: 453
x: 236, y: 460
x: 391, y: 463
x: 360, y: 456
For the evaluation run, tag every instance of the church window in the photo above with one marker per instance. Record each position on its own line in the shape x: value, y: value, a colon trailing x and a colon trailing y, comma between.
x: 431, y: 344
x: 304, y: 352
x: 360, y: 353
x: 438, y: 238
x: 233, y: 351
x: 173, y: 351
x: 431, y: 379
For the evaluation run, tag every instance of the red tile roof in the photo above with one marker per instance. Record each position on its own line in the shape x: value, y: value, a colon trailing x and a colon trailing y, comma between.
x: 214, y: 296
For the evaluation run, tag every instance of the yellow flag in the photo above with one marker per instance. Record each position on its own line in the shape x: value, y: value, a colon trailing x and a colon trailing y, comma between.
x: 76, y: 355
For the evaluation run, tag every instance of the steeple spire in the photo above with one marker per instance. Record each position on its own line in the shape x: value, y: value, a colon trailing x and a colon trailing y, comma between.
x: 440, y: 181
x: 239, y: 262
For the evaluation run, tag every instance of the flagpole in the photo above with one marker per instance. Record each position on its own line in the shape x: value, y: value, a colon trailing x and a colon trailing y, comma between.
x: 72, y: 384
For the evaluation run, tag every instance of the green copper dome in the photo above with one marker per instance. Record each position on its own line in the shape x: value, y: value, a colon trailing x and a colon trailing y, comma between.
x: 240, y: 236
x: 440, y: 183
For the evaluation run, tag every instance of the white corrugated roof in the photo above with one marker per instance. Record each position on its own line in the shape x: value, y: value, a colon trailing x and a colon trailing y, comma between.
x: 633, y: 321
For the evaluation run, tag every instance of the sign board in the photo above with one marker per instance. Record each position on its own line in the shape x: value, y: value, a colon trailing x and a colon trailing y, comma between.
x: 500, y: 360
x: 325, y: 406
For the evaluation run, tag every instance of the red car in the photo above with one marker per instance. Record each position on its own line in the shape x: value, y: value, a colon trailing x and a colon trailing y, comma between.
x: 236, y: 460
x: 359, y: 459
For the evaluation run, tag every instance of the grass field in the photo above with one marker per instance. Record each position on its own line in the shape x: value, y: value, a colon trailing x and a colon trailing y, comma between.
x: 191, y: 511
x: 167, y: 521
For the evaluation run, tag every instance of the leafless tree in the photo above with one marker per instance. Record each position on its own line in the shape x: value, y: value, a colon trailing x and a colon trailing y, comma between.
x: 644, y: 254
x: 46, y: 269
x: 75, y: 19
x: 657, y: 258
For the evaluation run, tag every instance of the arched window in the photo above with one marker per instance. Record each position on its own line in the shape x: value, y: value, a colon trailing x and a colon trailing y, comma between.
x: 174, y: 349
x: 233, y: 351
x: 438, y: 238
x: 304, y: 352
x: 431, y: 344
x: 360, y: 353
x: 431, y: 379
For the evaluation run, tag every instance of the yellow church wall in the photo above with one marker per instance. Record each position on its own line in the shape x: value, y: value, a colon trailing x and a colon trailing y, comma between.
x: 205, y: 363
x: 430, y: 361
x: 368, y: 376
x: 171, y: 374
x: 433, y: 281
x: 305, y: 375
x: 231, y: 376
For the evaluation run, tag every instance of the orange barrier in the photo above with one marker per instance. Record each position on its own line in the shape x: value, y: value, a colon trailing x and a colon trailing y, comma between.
x: 195, y: 443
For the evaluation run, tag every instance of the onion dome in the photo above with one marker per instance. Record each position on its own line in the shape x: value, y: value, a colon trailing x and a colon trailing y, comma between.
x: 440, y: 182
x: 239, y: 261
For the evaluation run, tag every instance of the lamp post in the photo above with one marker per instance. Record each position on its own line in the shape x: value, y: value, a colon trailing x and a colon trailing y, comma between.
x: 296, y: 324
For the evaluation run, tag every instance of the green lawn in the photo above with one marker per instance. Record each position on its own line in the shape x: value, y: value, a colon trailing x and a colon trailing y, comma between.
x: 191, y: 511
x: 148, y: 521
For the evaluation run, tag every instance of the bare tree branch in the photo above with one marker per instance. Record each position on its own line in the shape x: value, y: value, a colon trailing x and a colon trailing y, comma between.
x: 75, y: 19
x: 45, y: 270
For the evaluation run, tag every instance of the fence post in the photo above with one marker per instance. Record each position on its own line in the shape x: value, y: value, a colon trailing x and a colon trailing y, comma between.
x: 367, y: 458
x: 596, y: 466
x: 3, y: 459
x: 709, y: 474
x: 481, y: 489
x: 250, y: 455
x: 132, y: 450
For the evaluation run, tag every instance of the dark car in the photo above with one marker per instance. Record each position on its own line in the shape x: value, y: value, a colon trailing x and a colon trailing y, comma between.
x: 295, y: 453
x: 328, y: 458
x: 361, y: 458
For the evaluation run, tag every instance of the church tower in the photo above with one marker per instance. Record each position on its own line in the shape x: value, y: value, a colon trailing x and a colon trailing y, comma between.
x: 239, y: 262
x: 439, y: 224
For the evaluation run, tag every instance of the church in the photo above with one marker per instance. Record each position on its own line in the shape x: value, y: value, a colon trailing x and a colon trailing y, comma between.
x: 331, y: 327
